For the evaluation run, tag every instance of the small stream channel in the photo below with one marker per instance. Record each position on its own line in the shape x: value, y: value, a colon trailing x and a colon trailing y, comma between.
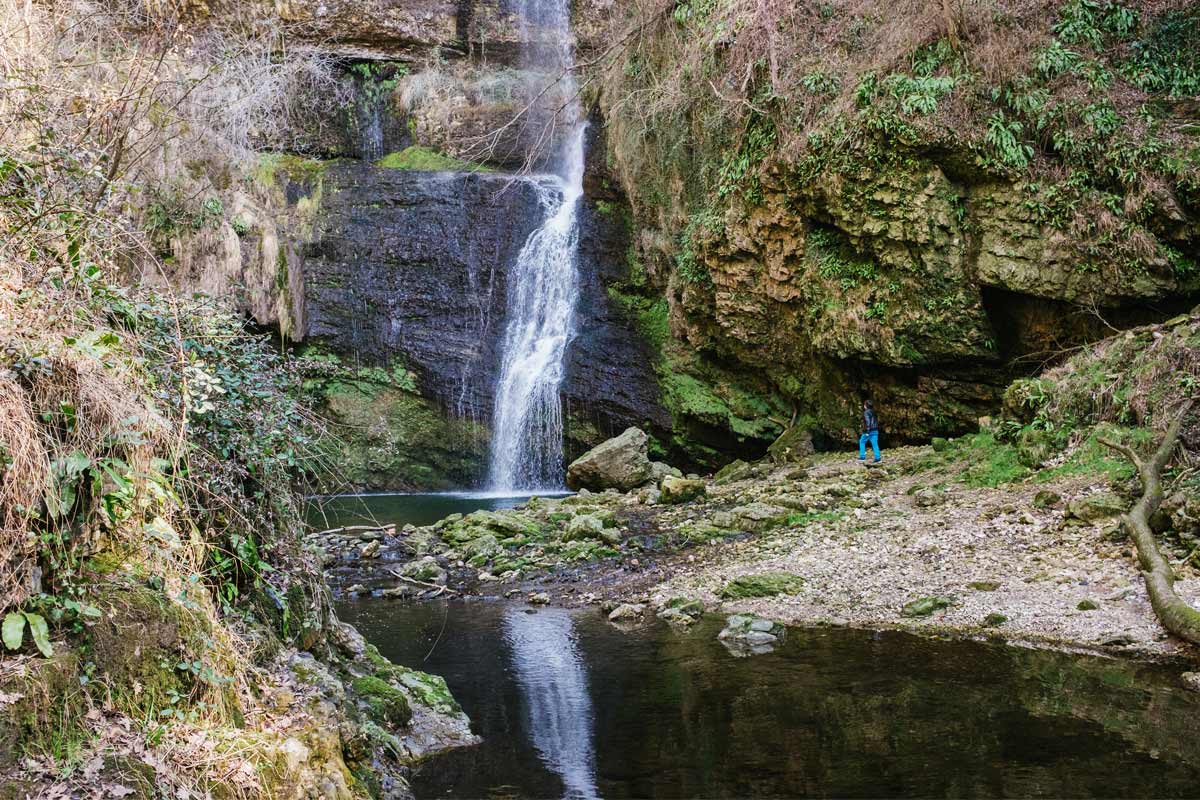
x: 569, y: 705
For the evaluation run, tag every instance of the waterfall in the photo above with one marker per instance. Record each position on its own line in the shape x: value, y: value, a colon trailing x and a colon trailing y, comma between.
x: 550, y: 671
x: 543, y: 285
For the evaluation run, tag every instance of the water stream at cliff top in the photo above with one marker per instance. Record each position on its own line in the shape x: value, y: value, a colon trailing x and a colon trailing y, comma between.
x: 543, y: 285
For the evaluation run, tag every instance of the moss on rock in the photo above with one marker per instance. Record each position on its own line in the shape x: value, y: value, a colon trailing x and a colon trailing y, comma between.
x: 764, y: 584
x: 385, y: 703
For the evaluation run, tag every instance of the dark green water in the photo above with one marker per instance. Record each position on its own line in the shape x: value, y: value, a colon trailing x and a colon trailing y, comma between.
x: 401, y: 509
x: 570, y: 706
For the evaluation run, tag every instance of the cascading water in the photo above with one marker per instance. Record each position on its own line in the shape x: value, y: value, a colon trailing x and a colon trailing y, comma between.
x: 553, y: 679
x: 543, y: 285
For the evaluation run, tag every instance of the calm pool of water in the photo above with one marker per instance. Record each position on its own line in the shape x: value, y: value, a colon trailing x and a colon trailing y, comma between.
x: 568, y: 705
x: 401, y: 509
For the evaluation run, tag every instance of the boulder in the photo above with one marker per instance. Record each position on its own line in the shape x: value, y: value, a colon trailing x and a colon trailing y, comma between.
x: 680, y: 490
x: 584, y: 526
x: 626, y: 612
x: 681, y: 611
x: 619, y: 463
x: 1191, y: 680
x: 426, y: 570
x: 1095, y: 507
x: 744, y: 635
x: 793, y: 445
x: 659, y: 471
x: 760, y: 516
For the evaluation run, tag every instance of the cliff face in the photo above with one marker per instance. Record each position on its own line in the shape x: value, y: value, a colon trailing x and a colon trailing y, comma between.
x: 914, y: 204
x: 410, y: 267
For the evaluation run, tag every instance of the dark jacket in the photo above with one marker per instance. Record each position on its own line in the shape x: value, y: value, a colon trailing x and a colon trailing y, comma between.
x: 870, y: 420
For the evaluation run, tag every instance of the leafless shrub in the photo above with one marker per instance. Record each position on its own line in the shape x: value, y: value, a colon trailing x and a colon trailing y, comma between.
x: 257, y: 90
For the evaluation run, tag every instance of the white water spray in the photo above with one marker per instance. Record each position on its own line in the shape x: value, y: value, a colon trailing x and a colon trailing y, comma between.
x: 553, y: 680
x: 543, y: 287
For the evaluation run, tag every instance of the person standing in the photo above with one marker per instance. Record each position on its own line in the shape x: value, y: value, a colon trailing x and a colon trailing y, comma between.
x: 870, y: 433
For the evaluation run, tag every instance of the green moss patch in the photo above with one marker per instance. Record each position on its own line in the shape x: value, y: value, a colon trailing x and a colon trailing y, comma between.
x: 385, y: 702
x: 424, y: 159
x: 764, y: 584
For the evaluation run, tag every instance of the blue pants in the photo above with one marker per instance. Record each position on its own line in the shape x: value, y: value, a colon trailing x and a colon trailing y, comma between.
x: 873, y: 438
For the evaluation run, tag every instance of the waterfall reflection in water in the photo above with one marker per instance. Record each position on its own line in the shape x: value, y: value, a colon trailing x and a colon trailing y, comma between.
x: 553, y: 679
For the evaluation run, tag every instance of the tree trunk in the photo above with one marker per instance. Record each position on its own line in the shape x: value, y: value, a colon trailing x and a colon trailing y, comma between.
x: 1175, y: 615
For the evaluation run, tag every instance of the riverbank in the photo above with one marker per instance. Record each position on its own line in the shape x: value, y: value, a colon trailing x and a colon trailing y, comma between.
x: 917, y: 543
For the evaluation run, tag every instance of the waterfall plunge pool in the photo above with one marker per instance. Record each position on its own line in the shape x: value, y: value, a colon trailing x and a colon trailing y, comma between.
x: 571, y: 706
x: 400, y: 509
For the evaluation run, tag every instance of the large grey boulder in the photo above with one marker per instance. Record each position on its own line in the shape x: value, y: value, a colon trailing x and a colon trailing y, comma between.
x: 620, y: 463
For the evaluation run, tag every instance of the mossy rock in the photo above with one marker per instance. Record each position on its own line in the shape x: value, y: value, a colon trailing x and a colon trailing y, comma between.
x: 1096, y: 507
x: 924, y: 606
x: 680, y: 490
x: 384, y: 702
x: 994, y: 620
x: 139, y: 640
x: 1046, y: 499
x: 940, y: 444
x: 428, y: 690
x: 1088, y: 605
x: 794, y: 445
x: 764, y: 584
x: 47, y: 701
x: 984, y: 586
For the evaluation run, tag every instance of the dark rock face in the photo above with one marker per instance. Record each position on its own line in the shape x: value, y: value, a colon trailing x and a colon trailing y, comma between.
x: 411, y: 266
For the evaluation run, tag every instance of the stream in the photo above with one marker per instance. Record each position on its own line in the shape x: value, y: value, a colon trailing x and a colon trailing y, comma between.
x: 571, y: 706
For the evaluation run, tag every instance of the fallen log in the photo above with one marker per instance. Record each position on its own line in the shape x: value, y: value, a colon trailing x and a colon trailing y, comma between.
x: 358, y: 529
x: 1175, y: 615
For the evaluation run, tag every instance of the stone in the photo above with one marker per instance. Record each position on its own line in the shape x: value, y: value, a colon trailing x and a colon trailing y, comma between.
x: 760, y: 516
x: 924, y: 606
x: 1191, y: 680
x: 681, y: 611
x: 1087, y: 604
x: 745, y: 635
x: 626, y: 612
x: 722, y: 519
x: 540, y: 598
x: 426, y: 570
x: 984, y: 586
x: 348, y: 640
x: 734, y: 471
x: 928, y: 498
x: 370, y: 550
x: 584, y: 526
x: 659, y: 470
x: 675, y: 490
x: 1046, y: 499
x: 794, y: 445
x: 994, y: 620
x: 763, y: 584
x: 1096, y: 507
x: 619, y: 463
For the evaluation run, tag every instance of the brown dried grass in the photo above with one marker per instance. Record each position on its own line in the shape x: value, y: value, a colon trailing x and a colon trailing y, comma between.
x: 24, y: 482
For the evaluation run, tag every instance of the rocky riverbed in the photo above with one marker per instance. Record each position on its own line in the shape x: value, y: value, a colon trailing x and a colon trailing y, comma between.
x: 908, y: 544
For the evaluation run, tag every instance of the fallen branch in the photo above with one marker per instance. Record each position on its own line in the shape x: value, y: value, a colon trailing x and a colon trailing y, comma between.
x: 1175, y: 615
x: 423, y: 584
x: 355, y: 528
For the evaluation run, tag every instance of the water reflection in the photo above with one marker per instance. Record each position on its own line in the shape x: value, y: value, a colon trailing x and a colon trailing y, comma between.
x: 553, y: 679
x: 565, y: 702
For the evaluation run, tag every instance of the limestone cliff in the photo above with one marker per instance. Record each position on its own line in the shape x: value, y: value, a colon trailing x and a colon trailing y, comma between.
x: 909, y: 204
